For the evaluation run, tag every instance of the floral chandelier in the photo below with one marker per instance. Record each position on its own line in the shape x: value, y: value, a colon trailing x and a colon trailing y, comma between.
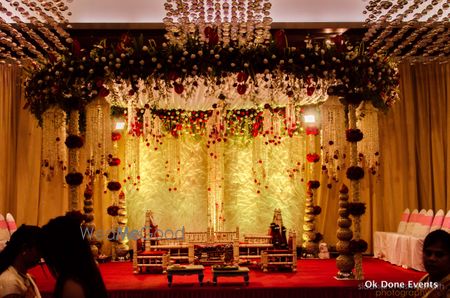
x: 409, y: 29
x: 33, y: 31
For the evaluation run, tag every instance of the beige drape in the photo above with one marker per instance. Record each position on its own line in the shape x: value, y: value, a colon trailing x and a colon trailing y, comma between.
x: 415, y: 145
x: 19, y: 150
x: 414, y: 173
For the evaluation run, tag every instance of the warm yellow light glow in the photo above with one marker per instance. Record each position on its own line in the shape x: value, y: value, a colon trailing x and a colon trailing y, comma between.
x: 120, y: 125
x: 309, y: 118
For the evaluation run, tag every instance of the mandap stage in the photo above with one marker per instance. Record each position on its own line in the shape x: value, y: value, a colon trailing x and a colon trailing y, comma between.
x: 314, y: 278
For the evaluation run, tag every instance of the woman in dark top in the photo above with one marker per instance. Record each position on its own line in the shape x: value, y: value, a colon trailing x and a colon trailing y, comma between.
x: 68, y: 256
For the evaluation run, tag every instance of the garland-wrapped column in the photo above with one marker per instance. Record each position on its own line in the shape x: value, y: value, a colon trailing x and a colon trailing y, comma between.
x: 74, y: 142
x: 345, y: 261
x: 355, y: 173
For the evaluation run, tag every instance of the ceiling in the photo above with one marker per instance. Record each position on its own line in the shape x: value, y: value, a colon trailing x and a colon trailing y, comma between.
x: 152, y: 11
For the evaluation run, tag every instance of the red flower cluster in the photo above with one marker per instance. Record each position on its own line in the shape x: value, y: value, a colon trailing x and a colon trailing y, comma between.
x: 313, y: 184
x: 113, y: 210
x: 317, y: 210
x: 358, y: 246
x: 312, y: 157
x: 114, y: 186
x: 355, y: 173
x: 115, y: 136
x: 312, y: 131
x: 356, y: 208
x: 74, y: 179
x: 74, y: 141
x: 354, y: 135
x: 113, y: 162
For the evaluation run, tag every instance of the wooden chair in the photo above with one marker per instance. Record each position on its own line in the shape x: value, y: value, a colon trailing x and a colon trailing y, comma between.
x: 144, y: 257
x: 281, y: 258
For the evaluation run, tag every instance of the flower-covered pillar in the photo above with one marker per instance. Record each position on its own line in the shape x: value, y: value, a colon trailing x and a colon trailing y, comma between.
x: 114, y: 187
x: 355, y: 173
x: 74, y: 142
x: 310, y: 237
x: 345, y: 261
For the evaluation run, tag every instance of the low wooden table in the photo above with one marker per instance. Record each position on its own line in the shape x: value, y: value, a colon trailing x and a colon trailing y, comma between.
x: 240, y: 271
x: 185, y: 270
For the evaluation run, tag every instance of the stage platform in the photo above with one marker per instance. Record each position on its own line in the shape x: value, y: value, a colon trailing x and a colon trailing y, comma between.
x: 314, y: 278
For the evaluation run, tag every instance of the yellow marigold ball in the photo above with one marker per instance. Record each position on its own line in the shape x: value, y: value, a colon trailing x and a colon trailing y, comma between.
x: 344, y: 222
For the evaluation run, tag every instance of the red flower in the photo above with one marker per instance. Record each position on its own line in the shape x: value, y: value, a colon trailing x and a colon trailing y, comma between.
x: 280, y: 40
x: 103, y: 92
x: 241, y: 89
x: 113, y: 210
x: 178, y: 88
x: 312, y: 131
x: 74, y: 179
x: 114, y: 186
x: 312, y: 157
x: 115, y: 136
x: 114, y: 162
x: 310, y: 90
x: 242, y: 77
x: 313, y: 184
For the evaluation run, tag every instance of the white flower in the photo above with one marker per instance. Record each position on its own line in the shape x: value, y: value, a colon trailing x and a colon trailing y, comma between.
x: 233, y: 64
x: 245, y: 65
x: 118, y: 60
x: 131, y: 61
x: 91, y: 71
x: 142, y: 62
x: 217, y: 56
x: 103, y: 59
x: 122, y: 55
x: 193, y: 56
x: 291, y: 60
x: 306, y: 68
x: 274, y: 57
x: 145, y: 48
x: 97, y: 60
x: 154, y: 59
x: 159, y: 66
x: 265, y: 61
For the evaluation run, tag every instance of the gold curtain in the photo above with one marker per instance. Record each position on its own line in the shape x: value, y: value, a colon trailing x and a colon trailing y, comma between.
x: 19, y: 150
x: 415, y: 145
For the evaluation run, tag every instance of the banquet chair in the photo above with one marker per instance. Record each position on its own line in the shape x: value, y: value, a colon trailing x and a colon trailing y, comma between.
x: 4, y: 232
x: 446, y: 223
x: 386, y: 240
x: 401, y: 228
x: 412, y: 221
x: 11, y: 222
x: 423, y: 225
x: 437, y: 220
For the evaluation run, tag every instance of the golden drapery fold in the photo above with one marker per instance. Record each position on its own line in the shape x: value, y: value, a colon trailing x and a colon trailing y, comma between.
x: 414, y: 172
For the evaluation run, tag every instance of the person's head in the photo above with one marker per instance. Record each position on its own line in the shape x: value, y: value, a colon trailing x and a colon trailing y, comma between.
x: 63, y: 246
x: 436, y: 254
x: 68, y: 255
x: 22, y: 247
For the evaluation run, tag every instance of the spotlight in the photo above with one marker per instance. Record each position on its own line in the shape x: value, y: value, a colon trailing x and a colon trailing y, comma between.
x: 120, y: 125
x: 309, y: 118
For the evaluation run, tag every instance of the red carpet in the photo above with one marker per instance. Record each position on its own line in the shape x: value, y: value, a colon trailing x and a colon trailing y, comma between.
x: 315, y: 278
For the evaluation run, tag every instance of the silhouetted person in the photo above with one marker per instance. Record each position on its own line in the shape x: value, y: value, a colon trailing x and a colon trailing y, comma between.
x: 70, y: 260
x: 20, y: 254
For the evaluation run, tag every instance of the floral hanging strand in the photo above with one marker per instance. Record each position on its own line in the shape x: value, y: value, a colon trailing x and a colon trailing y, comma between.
x: 355, y: 173
x: 74, y: 142
x: 368, y: 147
x: 54, y: 152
